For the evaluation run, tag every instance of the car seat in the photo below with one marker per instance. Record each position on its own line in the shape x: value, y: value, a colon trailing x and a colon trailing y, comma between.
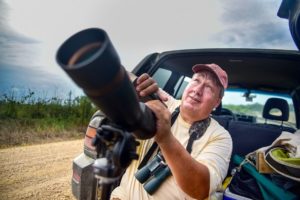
x: 283, y: 116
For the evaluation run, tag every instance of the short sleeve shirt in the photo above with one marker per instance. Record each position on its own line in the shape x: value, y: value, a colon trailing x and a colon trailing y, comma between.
x: 213, y: 150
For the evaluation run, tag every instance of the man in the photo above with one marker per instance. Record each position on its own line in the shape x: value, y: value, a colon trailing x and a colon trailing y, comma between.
x: 195, y: 175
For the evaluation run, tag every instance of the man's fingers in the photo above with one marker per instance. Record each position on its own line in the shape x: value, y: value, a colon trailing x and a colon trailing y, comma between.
x: 154, y: 104
x: 163, y: 95
x: 157, y: 106
x: 145, y: 83
x: 149, y: 90
x: 163, y: 116
x: 142, y: 78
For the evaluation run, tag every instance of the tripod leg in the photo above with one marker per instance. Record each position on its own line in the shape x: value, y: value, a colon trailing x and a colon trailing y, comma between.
x: 106, y: 190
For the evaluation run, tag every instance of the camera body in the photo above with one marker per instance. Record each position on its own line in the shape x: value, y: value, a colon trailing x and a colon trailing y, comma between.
x: 153, y: 173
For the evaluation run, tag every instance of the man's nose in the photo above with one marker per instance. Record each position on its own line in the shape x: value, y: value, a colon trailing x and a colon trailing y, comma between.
x: 199, y: 88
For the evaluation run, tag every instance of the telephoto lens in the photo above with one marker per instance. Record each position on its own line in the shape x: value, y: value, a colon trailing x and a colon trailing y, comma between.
x: 92, y: 62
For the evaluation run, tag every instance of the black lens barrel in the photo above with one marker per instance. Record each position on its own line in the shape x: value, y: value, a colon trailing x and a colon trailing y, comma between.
x: 92, y: 62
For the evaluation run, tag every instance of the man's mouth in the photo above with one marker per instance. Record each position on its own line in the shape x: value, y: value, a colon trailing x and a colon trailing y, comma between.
x: 196, y: 99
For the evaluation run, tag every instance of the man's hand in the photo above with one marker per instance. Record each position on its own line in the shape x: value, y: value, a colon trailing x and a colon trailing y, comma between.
x: 163, y: 121
x: 146, y: 85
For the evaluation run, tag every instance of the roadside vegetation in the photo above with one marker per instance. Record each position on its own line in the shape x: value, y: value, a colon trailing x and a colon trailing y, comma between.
x: 30, y: 119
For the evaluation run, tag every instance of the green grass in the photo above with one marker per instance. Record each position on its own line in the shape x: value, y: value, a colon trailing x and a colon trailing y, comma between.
x: 31, y: 120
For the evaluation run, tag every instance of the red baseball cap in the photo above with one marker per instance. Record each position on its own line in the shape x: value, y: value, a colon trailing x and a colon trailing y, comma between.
x: 216, y: 69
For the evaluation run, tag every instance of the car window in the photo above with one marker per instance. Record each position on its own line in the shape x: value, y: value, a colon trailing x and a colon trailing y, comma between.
x: 244, y: 106
x: 180, y: 85
x: 237, y: 102
x: 161, y: 76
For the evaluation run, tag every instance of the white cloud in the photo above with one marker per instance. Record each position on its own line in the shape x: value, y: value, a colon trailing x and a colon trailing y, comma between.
x: 137, y: 28
x: 255, y: 24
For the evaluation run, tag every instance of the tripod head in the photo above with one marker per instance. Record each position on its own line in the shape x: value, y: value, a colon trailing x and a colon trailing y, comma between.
x: 116, y: 148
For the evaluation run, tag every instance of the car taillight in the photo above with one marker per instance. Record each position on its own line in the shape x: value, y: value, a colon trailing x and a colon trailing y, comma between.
x: 76, y: 176
x: 89, y: 149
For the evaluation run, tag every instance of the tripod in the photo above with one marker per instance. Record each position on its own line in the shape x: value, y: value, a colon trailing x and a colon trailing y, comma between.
x: 116, y: 148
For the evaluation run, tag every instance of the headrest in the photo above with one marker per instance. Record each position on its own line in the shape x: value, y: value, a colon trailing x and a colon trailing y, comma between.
x: 276, y: 103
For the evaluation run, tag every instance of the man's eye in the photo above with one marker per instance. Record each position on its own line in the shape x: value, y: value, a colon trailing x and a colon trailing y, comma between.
x: 208, y: 87
x: 196, y: 81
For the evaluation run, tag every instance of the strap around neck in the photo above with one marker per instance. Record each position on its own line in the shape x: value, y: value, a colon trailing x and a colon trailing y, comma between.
x: 196, y: 131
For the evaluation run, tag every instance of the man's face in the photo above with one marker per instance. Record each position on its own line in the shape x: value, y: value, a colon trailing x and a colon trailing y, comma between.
x: 201, y: 95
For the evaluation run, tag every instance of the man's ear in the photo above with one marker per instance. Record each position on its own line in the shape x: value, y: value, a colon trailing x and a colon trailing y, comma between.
x: 218, y: 102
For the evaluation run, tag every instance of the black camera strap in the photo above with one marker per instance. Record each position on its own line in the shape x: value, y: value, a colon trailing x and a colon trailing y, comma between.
x: 196, y: 130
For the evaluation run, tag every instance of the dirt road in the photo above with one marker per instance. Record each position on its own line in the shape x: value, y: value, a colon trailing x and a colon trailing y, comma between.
x: 38, y: 171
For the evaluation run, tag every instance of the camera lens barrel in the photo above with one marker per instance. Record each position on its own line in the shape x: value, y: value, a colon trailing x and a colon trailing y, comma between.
x: 92, y: 62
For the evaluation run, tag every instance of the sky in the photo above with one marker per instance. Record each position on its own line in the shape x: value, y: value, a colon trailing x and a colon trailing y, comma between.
x: 31, y: 32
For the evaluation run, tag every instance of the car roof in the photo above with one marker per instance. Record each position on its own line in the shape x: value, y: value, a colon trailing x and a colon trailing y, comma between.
x: 260, y: 69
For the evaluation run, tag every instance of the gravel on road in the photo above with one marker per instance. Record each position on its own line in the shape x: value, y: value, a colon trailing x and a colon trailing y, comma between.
x: 39, y: 171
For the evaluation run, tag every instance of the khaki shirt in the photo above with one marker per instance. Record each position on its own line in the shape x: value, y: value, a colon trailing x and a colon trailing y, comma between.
x: 213, y: 150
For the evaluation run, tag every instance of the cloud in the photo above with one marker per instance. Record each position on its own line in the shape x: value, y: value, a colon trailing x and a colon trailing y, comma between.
x: 23, y: 78
x: 255, y: 24
x: 14, y: 48
x: 29, y: 43
x: 20, y: 65
x: 17, y: 50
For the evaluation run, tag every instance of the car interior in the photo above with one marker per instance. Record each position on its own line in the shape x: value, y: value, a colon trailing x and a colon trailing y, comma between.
x: 248, y: 70
x: 248, y: 136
